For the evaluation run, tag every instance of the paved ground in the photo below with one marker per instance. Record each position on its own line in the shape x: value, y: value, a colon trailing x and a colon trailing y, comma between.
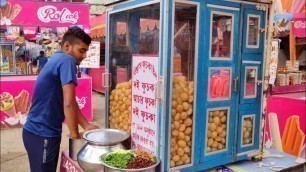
x: 13, y: 154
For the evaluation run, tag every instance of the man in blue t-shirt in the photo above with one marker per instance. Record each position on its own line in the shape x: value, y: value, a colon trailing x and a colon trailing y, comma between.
x: 53, y: 101
x: 42, y: 60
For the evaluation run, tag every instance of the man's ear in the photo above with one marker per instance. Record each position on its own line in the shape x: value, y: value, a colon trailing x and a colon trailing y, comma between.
x: 67, y: 46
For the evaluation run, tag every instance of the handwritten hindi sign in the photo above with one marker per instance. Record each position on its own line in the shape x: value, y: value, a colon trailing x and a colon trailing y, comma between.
x: 144, y: 105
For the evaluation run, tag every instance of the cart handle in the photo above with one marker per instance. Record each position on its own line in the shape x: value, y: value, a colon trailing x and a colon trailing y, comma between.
x: 106, y: 80
x: 236, y: 84
x: 158, y: 90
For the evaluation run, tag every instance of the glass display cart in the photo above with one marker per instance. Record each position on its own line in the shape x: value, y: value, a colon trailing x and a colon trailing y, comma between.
x: 7, y: 58
x: 185, y: 79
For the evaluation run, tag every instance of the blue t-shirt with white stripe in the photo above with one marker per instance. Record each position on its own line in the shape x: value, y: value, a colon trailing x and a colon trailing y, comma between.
x: 47, y: 111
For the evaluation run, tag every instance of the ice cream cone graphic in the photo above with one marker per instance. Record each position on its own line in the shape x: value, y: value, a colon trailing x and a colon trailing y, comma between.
x: 21, y: 101
x: 7, y: 104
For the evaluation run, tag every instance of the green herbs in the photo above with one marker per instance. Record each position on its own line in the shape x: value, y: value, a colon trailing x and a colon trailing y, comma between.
x: 126, y: 159
x: 119, y: 158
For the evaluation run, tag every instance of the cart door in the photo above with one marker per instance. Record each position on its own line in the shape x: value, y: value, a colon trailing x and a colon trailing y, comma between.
x: 220, y: 66
x: 250, y: 93
x: 133, y: 61
x: 252, y: 56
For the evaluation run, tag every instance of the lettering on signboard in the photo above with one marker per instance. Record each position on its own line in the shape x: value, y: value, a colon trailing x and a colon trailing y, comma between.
x: 81, y: 101
x: 144, y: 105
x: 32, y: 32
x: 300, y: 24
x: 50, y: 13
x: 68, y: 166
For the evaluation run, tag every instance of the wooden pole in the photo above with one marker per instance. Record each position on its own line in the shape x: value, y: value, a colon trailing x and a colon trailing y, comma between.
x: 268, y: 44
x: 268, y: 37
x: 292, y: 44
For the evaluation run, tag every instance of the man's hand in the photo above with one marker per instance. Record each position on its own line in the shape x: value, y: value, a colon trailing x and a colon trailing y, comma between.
x: 91, y: 127
x: 75, y: 136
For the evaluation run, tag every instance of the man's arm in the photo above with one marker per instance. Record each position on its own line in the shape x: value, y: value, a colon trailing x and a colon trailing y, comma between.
x: 71, y: 109
x: 84, y: 123
x: 81, y: 119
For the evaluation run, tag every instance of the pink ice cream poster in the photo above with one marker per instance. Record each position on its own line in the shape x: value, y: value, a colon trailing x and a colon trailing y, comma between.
x: 16, y: 95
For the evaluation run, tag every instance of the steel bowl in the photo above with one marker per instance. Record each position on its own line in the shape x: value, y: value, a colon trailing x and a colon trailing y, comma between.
x: 152, y: 168
x: 99, y: 142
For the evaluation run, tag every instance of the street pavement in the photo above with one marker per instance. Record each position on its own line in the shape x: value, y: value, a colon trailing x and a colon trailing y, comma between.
x: 14, y: 157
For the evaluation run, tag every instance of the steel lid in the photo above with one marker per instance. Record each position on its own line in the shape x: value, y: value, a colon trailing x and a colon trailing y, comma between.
x: 105, y: 137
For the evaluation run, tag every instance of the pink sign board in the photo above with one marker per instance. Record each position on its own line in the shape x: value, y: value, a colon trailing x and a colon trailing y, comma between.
x: 69, y: 165
x: 30, y: 32
x: 48, y: 14
x: 144, y: 129
x: 299, y: 27
x: 16, y: 94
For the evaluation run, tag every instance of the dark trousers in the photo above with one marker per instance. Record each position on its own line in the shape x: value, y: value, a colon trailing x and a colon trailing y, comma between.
x: 43, y: 152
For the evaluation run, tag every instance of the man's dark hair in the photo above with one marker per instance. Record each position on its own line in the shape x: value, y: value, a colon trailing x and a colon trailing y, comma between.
x: 41, y: 52
x: 74, y: 33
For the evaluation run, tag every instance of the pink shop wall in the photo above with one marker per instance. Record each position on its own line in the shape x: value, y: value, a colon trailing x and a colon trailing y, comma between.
x: 285, y: 106
x: 16, y: 94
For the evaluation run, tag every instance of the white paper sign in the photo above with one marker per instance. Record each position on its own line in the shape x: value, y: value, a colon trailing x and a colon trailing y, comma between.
x: 92, y: 59
x: 144, y: 130
x: 273, y: 60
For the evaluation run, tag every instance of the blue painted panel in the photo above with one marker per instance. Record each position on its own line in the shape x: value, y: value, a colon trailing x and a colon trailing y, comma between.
x: 243, y: 99
x: 129, y: 4
x: 210, y: 160
x: 223, y: 3
x: 245, y: 49
x: 166, y: 31
x: 107, y: 69
x: 242, y: 133
x: 200, y: 109
x: 207, y: 166
x: 214, y: 163
x: 244, y: 107
x: 253, y: 57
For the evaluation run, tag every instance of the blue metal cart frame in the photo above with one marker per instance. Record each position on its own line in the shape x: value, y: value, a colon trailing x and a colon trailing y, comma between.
x: 244, y: 57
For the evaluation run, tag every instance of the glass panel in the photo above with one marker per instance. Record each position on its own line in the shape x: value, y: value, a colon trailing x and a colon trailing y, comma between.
x: 250, y: 82
x: 121, y: 33
x: 221, y: 39
x: 248, y: 129
x: 134, y: 31
x: 183, y: 88
x: 219, y: 84
x: 253, y: 31
x: 217, y: 130
x: 7, y: 59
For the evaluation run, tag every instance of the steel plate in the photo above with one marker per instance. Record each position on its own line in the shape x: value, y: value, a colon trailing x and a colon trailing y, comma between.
x: 105, y: 137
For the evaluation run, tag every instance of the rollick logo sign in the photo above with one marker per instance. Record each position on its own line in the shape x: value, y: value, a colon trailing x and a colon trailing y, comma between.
x: 50, y: 13
x: 300, y: 24
x: 29, y: 32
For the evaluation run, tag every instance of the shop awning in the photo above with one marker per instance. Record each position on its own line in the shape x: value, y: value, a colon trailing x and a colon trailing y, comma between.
x: 98, y: 26
x: 290, y: 6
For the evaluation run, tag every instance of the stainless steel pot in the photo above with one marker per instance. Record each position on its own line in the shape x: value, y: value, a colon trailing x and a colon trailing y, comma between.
x: 99, y: 142
x: 75, y: 145
x: 152, y: 168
